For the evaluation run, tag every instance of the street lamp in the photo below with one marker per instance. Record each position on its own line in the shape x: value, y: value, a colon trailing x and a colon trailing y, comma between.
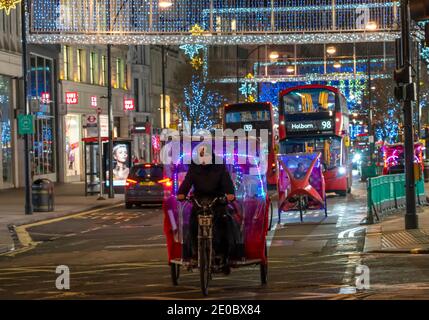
x: 165, y: 3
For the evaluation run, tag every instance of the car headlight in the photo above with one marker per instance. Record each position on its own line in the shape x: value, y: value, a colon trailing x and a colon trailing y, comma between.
x: 356, y: 158
x: 342, y: 171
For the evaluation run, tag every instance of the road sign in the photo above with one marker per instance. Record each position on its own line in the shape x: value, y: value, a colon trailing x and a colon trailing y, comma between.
x: 25, y: 124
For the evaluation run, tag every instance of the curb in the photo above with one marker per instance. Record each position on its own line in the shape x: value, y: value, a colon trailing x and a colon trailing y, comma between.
x: 401, y: 251
x: 17, y: 244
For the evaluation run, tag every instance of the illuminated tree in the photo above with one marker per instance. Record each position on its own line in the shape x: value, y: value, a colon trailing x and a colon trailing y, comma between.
x: 200, y: 106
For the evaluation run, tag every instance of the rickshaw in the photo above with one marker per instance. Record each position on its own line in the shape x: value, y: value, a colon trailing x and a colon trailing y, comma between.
x: 249, y: 213
x: 301, y: 185
x: 394, y: 158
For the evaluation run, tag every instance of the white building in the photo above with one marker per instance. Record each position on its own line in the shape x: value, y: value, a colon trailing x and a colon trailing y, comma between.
x: 83, y: 72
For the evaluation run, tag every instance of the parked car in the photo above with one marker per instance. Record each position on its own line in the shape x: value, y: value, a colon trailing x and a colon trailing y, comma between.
x: 145, y: 185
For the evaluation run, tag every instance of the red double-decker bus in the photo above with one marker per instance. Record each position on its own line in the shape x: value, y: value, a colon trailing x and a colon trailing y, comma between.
x: 315, y: 118
x: 254, y: 116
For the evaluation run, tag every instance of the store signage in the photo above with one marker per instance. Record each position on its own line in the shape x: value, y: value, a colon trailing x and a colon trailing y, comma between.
x: 94, y: 102
x: 128, y: 104
x: 72, y: 98
x: 45, y: 97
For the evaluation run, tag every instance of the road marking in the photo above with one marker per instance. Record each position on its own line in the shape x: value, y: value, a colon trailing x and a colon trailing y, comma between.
x: 27, y: 242
x: 350, y: 233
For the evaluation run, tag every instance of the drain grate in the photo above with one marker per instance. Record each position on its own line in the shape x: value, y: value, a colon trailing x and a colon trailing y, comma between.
x: 405, y: 239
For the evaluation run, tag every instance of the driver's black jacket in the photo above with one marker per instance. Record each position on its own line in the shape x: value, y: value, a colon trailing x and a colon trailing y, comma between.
x: 209, y: 181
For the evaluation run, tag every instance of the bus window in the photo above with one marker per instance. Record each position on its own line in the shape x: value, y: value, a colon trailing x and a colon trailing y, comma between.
x: 309, y: 100
x: 247, y: 116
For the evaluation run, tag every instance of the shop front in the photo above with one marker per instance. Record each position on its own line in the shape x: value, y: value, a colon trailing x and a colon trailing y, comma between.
x: 6, y: 141
x: 73, y: 147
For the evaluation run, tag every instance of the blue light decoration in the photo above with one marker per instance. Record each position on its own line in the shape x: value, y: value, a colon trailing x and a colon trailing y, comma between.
x: 249, y: 88
x: 388, y: 131
x: 424, y: 54
x: 191, y: 50
x: 355, y: 130
x: 6, y: 137
x: 200, y: 105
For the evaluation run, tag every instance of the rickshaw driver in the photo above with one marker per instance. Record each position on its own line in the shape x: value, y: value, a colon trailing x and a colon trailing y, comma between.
x: 210, y: 181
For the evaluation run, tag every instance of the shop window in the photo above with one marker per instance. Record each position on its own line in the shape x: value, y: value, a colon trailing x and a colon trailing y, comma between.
x: 43, y: 140
x: 72, y: 145
x: 79, y: 60
x: 92, y: 67
x: 6, y: 172
x: 66, y: 63
x: 104, y: 70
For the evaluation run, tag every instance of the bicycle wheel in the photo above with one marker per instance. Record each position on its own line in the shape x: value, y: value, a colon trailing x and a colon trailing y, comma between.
x: 175, y: 273
x: 205, y: 265
x: 301, y: 207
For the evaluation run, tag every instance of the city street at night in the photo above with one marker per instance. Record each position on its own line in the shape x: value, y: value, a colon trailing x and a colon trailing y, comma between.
x: 224, y: 158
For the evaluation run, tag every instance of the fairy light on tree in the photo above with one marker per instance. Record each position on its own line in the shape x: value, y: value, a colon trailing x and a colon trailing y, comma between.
x: 201, y: 106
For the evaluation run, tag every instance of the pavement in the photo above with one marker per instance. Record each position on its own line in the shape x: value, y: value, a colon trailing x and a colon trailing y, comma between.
x: 390, y: 236
x: 69, y: 199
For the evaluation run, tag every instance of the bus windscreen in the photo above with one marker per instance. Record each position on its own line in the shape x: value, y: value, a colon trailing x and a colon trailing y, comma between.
x: 247, y: 116
x: 309, y: 100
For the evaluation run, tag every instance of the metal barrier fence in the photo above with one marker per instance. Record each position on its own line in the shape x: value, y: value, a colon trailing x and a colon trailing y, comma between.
x: 387, y: 193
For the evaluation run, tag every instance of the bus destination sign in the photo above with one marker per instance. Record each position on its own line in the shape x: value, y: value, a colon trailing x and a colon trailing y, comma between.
x: 325, y: 125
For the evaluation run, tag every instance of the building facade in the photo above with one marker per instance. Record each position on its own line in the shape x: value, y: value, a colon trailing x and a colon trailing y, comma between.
x: 10, y: 74
x: 83, y: 75
x: 142, y: 118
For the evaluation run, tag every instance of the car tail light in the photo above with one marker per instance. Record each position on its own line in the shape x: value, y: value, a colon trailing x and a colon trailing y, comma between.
x: 166, y: 182
x: 130, y: 182
x: 147, y: 165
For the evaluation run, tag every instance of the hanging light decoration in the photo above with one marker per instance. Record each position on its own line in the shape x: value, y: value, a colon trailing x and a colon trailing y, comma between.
x: 274, y: 55
x: 290, y: 69
x: 165, y: 3
x: 331, y: 50
x: 337, y: 65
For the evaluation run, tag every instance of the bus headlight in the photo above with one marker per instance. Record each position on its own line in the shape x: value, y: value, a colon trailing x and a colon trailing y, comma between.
x: 342, y: 171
